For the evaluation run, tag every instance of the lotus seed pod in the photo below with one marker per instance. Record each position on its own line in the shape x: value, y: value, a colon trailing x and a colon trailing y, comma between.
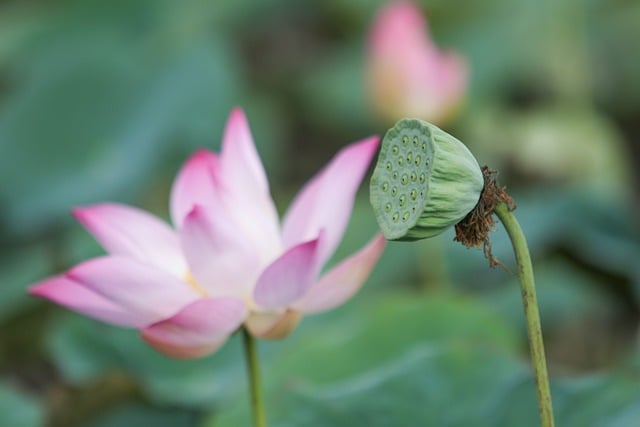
x: 425, y: 181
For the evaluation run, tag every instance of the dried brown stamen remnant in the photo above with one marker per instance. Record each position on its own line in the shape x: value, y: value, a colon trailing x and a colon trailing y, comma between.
x: 474, y: 229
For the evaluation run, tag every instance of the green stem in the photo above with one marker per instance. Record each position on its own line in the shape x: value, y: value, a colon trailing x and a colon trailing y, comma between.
x: 255, y: 387
x: 529, y: 300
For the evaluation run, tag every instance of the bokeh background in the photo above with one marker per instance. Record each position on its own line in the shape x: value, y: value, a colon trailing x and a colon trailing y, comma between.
x: 103, y: 100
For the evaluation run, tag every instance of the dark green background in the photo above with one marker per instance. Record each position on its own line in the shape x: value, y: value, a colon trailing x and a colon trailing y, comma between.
x: 104, y: 100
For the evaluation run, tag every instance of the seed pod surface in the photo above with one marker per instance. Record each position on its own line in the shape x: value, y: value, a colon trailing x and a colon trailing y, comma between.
x: 425, y: 181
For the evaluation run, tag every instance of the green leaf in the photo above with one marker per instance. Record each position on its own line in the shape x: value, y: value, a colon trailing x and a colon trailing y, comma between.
x: 377, y: 330
x: 596, y: 400
x: 18, y: 269
x: 334, y: 90
x: 566, y: 294
x: 452, y: 385
x: 398, y: 262
x: 131, y: 414
x: 438, y: 368
x: 96, y: 103
x: 440, y: 384
x: 83, y: 349
x: 19, y: 410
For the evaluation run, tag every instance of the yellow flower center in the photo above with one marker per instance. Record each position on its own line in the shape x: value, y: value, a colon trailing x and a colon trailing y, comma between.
x: 193, y: 283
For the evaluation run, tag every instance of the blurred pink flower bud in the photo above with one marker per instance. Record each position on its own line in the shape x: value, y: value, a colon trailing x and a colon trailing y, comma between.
x: 407, y: 75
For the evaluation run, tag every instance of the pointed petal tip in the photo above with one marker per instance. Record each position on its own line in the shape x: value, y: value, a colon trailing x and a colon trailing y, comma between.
x: 237, y: 121
x: 327, y: 199
x: 42, y: 289
x: 201, y: 159
x: 201, y: 154
x: 88, y: 215
x: 370, y: 143
x: 74, y: 296
x: 132, y: 232
x: 136, y: 286
x: 50, y: 288
x: 367, y: 142
x: 76, y: 271
x: 237, y: 112
x: 194, y: 183
x: 361, y: 151
x: 72, y: 273
x: 288, y: 277
x: 84, y: 213
x: 78, y: 212
x: 342, y: 282
x: 196, y: 211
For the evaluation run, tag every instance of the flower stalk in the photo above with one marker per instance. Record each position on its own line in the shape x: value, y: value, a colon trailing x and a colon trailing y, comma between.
x: 255, y: 383
x: 532, y: 316
x: 474, y: 230
x: 427, y: 181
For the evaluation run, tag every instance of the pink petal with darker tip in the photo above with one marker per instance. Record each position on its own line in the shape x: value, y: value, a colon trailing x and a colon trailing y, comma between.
x: 288, y: 277
x: 326, y: 201
x: 194, y: 185
x: 343, y: 281
x: 245, y: 189
x: 76, y: 297
x: 136, y: 287
x: 131, y: 232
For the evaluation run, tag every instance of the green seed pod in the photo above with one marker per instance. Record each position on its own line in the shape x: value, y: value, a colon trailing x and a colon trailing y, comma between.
x: 425, y: 181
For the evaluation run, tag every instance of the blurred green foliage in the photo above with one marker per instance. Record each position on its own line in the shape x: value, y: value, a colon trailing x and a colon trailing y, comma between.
x: 104, y: 100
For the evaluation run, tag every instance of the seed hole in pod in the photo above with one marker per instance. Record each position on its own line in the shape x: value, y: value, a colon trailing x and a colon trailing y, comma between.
x: 409, y: 157
x: 405, y: 140
x: 405, y: 217
x: 422, y: 178
x: 418, y: 160
x: 424, y: 147
x: 404, y: 180
x: 426, y: 162
x: 387, y: 207
x: 402, y: 200
x: 413, y: 194
x: 415, y: 141
x: 395, y: 217
x: 388, y: 166
x: 395, y: 175
x: 414, y: 176
x: 413, y: 209
x: 394, y: 191
x: 400, y: 161
x: 395, y: 149
x: 385, y: 186
x: 422, y: 194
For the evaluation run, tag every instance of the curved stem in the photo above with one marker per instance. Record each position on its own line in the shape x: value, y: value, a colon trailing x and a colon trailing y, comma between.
x: 255, y: 387
x: 529, y: 300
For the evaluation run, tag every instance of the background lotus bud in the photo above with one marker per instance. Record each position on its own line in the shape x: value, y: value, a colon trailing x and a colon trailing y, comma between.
x: 408, y: 76
x: 425, y: 181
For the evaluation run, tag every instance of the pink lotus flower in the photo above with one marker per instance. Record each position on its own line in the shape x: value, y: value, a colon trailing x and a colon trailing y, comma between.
x: 408, y: 75
x: 228, y: 261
